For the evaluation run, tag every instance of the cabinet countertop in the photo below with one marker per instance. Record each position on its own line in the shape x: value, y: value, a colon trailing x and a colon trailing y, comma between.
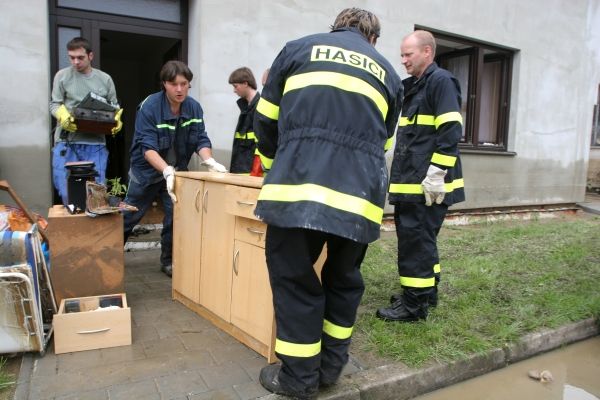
x: 227, y: 178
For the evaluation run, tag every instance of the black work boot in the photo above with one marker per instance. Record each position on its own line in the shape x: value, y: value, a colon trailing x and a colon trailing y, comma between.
x: 398, y: 311
x: 269, y: 379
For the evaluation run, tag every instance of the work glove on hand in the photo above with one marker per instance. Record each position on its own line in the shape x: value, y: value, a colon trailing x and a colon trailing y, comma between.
x: 214, y: 166
x: 119, y: 125
x: 65, y: 119
x: 169, y: 174
x: 433, y: 185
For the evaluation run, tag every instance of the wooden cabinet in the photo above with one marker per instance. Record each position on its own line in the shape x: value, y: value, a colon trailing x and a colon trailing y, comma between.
x: 219, y: 267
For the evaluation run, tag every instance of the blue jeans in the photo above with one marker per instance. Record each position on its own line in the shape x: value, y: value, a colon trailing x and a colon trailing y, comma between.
x: 142, y: 196
x: 63, y: 153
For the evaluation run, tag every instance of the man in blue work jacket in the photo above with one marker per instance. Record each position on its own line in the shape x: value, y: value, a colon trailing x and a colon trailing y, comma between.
x: 169, y: 129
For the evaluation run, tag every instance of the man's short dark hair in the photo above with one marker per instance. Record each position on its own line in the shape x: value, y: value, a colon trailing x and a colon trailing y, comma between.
x: 173, y: 68
x: 365, y: 21
x: 78, y: 43
x: 241, y: 75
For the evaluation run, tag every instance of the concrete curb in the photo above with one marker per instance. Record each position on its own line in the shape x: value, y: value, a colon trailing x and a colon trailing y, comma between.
x: 592, y: 208
x: 396, y: 382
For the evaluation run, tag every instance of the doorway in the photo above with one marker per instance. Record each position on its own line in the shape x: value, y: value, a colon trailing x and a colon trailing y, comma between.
x: 134, y: 62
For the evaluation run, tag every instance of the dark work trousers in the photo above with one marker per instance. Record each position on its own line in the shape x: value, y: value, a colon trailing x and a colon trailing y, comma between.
x: 142, y: 197
x: 417, y: 227
x: 302, y: 303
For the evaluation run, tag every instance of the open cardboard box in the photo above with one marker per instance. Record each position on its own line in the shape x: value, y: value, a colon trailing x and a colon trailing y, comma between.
x: 95, y: 322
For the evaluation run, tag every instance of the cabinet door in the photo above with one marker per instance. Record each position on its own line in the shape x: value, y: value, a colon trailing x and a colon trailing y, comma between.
x: 217, y: 247
x: 251, y: 298
x: 187, y: 239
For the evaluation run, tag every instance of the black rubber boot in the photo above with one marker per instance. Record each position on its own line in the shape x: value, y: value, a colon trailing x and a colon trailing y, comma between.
x: 269, y: 379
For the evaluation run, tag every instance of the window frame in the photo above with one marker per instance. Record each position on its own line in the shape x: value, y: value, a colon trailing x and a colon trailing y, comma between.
x: 477, y: 57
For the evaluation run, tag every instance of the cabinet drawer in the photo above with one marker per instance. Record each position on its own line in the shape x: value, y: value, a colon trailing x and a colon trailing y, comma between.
x: 250, y: 231
x: 241, y: 201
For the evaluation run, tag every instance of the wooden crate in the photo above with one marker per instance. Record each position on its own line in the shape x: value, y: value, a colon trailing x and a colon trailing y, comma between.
x: 87, y: 323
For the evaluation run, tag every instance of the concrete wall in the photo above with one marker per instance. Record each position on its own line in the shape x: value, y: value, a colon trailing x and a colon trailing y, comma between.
x: 555, y: 76
x: 24, y: 95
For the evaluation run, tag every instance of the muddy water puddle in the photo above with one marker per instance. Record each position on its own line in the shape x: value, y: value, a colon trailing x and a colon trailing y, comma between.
x: 571, y: 373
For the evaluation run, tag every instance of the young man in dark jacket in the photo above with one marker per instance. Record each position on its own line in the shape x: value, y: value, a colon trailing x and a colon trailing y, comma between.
x: 244, y: 140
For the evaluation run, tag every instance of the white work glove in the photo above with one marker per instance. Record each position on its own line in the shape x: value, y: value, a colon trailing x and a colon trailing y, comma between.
x: 433, y: 185
x: 169, y: 174
x: 214, y: 166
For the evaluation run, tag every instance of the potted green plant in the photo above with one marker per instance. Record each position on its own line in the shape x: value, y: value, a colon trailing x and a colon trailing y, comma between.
x: 116, y: 191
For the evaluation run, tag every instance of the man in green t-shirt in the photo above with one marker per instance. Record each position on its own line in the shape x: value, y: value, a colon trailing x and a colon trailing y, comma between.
x: 70, y: 86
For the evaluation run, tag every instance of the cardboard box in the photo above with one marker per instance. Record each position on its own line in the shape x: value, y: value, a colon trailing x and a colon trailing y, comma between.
x: 86, y: 323
x: 86, y: 254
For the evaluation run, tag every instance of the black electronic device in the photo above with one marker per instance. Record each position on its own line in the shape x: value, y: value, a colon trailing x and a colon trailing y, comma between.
x: 78, y: 173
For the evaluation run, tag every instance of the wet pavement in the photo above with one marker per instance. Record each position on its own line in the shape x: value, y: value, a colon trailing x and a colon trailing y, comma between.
x: 574, y: 370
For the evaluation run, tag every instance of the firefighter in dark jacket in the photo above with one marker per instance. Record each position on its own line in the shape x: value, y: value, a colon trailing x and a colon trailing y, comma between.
x: 327, y: 113
x: 244, y: 140
x: 426, y: 175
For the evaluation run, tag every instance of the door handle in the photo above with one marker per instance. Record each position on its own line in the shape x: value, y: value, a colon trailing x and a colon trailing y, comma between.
x: 204, y: 201
x: 245, y: 203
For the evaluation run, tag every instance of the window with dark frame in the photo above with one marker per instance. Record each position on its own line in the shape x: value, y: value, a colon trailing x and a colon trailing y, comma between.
x: 484, y: 71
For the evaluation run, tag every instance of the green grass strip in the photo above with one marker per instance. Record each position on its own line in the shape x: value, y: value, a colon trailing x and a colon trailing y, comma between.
x: 500, y: 281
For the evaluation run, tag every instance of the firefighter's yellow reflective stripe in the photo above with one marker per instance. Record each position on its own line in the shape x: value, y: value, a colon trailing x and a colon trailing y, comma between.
x: 416, y: 188
x: 389, y: 143
x: 421, y: 120
x: 340, y: 81
x: 442, y: 159
x: 247, y: 135
x: 192, y: 121
x: 297, y: 350
x: 267, y: 109
x: 264, y: 160
x: 323, y: 195
x: 336, y: 331
x: 171, y: 127
x: 448, y: 117
x: 437, y: 269
x: 417, y: 282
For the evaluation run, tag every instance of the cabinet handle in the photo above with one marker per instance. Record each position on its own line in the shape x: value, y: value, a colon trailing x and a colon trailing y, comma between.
x: 235, y: 259
x: 204, y: 203
x: 196, y: 201
x: 245, y: 203
x: 256, y: 232
x: 94, y: 331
